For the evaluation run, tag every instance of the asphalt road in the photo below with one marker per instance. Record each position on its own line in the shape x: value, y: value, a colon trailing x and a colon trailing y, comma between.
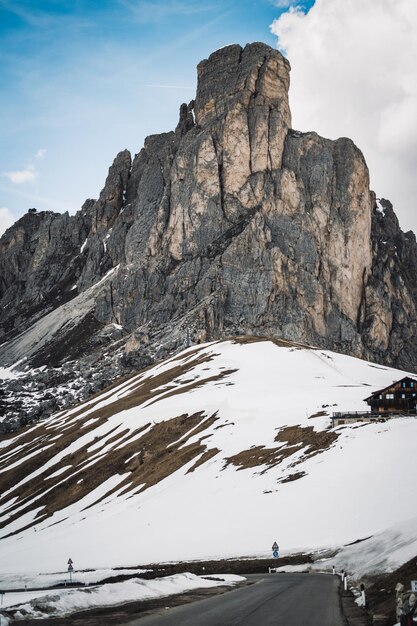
x: 273, y: 600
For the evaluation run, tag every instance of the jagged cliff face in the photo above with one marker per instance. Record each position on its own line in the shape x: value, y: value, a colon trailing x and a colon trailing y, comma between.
x: 232, y: 224
x: 390, y: 328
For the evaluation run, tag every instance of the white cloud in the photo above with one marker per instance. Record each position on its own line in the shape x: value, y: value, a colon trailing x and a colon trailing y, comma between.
x: 6, y: 219
x: 354, y: 74
x: 29, y: 173
x: 20, y: 177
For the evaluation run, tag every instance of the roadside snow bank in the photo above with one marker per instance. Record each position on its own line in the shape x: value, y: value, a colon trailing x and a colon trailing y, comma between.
x: 385, y: 551
x: 66, y: 602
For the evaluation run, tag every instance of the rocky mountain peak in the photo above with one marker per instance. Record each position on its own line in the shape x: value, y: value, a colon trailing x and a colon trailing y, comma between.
x: 233, y: 224
x: 253, y: 75
x: 111, y: 197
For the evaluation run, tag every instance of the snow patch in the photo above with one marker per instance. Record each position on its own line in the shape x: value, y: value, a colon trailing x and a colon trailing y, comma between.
x: 106, y: 276
x: 380, y: 209
x: 65, y: 602
x: 6, y: 373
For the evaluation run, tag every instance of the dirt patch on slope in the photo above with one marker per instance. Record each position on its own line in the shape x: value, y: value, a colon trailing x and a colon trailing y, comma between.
x: 148, y: 454
x: 176, y: 391
x: 281, y: 343
x: 314, y: 441
x: 159, y: 452
x: 209, y: 454
x: 294, y: 438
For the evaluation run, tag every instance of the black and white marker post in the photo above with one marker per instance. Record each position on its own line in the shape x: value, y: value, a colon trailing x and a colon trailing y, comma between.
x: 70, y: 569
x: 3, y: 621
x: 344, y: 579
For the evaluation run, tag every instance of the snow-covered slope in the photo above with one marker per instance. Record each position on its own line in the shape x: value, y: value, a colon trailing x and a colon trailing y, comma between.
x: 216, y: 452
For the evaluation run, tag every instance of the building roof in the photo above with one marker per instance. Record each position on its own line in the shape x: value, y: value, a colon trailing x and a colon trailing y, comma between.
x: 395, y: 382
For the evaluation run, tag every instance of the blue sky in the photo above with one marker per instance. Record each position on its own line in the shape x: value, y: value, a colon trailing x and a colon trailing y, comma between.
x: 81, y: 80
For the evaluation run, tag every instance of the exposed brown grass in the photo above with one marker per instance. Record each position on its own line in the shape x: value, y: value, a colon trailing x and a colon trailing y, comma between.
x: 208, y: 454
x: 176, y: 391
x: 157, y: 456
x: 313, y: 441
x: 318, y: 414
x: 291, y: 477
x: 160, y: 457
x: 161, y: 450
x: 281, y: 343
x: 296, y: 438
x: 255, y: 457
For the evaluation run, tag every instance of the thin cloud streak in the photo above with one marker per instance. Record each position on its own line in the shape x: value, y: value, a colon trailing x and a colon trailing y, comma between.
x: 285, y: 4
x: 151, y: 86
x: 33, y: 198
x: 21, y: 177
x: 148, y: 11
x: 182, y: 41
x: 40, y: 20
x: 32, y: 18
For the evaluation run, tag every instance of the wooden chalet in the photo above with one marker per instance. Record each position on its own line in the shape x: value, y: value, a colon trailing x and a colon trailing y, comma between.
x: 400, y: 397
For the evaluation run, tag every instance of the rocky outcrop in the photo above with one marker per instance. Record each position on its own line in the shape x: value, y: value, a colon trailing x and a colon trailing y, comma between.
x: 40, y: 262
x: 391, y: 295
x: 232, y: 224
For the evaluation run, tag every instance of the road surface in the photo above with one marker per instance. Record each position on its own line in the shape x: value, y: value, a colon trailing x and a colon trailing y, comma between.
x: 273, y: 600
